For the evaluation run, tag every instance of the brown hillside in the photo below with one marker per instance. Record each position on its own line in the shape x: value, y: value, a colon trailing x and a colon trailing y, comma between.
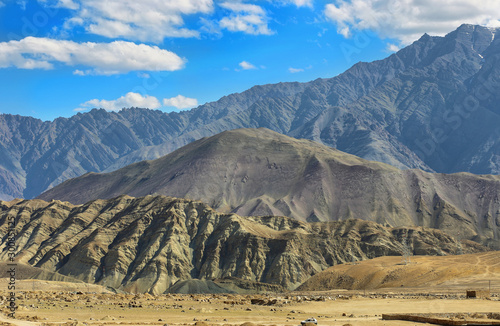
x: 260, y: 172
x: 470, y: 270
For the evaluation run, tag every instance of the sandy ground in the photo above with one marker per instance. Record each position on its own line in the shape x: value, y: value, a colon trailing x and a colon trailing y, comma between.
x: 52, y: 303
x: 330, y: 308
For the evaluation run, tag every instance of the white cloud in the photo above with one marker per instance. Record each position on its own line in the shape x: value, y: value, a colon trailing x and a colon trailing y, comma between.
x: 144, y: 20
x: 295, y: 70
x: 299, y: 3
x: 2, y: 4
x: 69, y: 4
x: 407, y: 20
x: 210, y: 27
x: 392, y: 47
x: 72, y: 22
x: 246, y: 65
x: 132, y: 99
x: 181, y: 102
x: 102, y: 58
x: 246, y: 18
x: 129, y: 100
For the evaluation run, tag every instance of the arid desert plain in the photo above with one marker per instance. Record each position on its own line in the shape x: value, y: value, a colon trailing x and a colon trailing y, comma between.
x: 440, y: 294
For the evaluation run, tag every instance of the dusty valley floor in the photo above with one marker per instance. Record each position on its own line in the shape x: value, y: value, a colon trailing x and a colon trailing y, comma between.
x: 79, y: 307
x: 427, y: 285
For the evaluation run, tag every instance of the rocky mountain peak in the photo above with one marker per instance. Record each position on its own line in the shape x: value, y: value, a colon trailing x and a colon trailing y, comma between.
x: 475, y: 36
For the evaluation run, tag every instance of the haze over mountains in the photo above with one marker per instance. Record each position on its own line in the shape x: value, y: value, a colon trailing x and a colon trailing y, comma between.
x: 432, y: 106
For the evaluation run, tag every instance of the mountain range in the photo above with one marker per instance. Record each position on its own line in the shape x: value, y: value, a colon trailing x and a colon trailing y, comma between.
x: 150, y: 243
x: 430, y: 106
x: 260, y: 172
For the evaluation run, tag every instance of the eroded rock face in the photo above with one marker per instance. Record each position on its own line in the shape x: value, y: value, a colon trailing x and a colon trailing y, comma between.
x: 147, y: 244
x: 261, y: 172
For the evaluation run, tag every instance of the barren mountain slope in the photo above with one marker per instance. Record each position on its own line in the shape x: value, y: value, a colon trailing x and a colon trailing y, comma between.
x: 261, y: 172
x: 147, y: 244
x: 471, y: 270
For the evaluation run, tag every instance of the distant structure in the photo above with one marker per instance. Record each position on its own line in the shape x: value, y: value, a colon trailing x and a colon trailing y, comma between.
x: 477, y: 294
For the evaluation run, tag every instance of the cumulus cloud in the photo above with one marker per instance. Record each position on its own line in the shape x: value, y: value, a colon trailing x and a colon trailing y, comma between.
x: 407, y: 20
x: 246, y: 18
x: 129, y: 100
x: 101, y: 58
x: 145, y: 20
x: 246, y: 65
x: 295, y: 70
x: 181, y: 102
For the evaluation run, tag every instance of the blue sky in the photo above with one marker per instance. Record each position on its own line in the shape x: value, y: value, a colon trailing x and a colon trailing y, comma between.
x: 60, y: 57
